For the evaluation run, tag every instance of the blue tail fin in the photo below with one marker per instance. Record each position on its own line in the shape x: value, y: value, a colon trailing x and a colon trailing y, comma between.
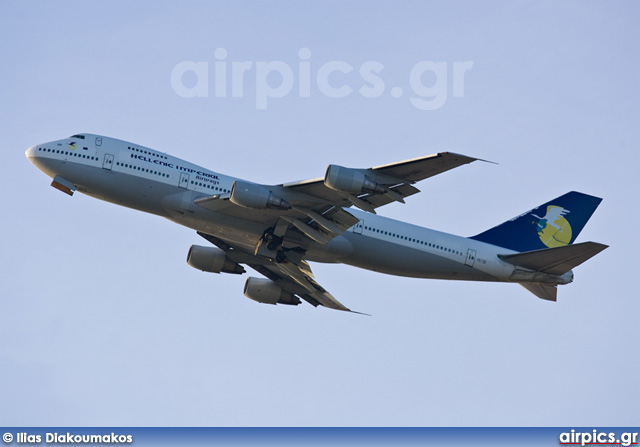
x: 553, y: 224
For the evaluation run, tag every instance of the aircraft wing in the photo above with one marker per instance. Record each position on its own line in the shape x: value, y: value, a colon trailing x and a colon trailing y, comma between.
x: 294, y: 278
x: 395, y: 177
x: 296, y: 215
x: 314, y: 293
x: 316, y: 209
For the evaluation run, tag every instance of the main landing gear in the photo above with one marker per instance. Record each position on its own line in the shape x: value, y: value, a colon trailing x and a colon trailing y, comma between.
x: 271, y: 246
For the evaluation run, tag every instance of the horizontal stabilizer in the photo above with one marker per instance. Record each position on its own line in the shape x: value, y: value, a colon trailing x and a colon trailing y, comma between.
x: 545, y: 291
x: 557, y: 260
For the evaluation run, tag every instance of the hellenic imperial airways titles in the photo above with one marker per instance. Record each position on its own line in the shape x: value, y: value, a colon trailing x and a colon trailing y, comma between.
x: 277, y: 229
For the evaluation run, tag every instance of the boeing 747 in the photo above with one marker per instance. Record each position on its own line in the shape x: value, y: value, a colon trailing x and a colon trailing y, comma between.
x: 277, y: 229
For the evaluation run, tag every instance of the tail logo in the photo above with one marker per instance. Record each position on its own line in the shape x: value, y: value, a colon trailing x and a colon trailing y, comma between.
x: 553, y: 229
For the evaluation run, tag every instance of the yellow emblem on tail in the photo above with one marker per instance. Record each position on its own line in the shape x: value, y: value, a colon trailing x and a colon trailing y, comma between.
x: 553, y: 229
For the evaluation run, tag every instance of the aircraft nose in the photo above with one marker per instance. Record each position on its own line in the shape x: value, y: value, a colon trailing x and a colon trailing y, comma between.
x: 30, y: 153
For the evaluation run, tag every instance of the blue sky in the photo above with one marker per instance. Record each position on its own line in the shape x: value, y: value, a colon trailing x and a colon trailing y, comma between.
x: 105, y: 324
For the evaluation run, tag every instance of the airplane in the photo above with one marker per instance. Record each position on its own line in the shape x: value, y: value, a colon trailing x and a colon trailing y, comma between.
x: 278, y: 229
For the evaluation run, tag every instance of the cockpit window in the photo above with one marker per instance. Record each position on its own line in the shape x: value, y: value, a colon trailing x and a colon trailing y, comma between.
x: 77, y: 136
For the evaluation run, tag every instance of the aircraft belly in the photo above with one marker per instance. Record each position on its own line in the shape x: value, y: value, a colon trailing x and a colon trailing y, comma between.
x: 395, y: 259
x: 115, y: 187
x: 240, y: 233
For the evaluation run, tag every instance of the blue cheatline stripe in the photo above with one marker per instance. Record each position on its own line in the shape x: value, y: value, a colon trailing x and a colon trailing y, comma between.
x: 304, y: 437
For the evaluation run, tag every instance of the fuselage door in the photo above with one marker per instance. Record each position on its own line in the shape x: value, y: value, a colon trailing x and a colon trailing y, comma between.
x: 357, y: 228
x: 471, y: 258
x: 184, y: 180
x: 108, y: 162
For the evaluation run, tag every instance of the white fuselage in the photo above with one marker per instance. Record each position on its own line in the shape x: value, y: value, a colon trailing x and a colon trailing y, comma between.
x: 141, y: 178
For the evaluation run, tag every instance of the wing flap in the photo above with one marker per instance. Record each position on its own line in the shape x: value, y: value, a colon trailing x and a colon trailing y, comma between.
x: 344, y: 219
x: 309, y: 231
x: 302, y: 276
x: 404, y: 191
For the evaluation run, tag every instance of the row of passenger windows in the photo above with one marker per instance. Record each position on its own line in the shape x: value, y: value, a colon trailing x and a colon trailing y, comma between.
x: 138, y: 168
x: 73, y: 154
x: 417, y: 241
x: 205, y: 185
x: 146, y: 152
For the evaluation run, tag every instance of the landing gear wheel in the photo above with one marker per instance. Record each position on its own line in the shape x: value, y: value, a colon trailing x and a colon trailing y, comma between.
x: 280, y: 256
x: 273, y: 241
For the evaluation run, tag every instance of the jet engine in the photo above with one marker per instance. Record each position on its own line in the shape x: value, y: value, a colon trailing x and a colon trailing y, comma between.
x: 266, y: 291
x: 212, y: 259
x: 350, y: 180
x: 251, y: 195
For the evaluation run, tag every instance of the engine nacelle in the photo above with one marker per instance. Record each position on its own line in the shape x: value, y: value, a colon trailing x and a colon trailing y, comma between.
x: 350, y: 180
x: 251, y: 195
x: 211, y: 259
x: 266, y: 291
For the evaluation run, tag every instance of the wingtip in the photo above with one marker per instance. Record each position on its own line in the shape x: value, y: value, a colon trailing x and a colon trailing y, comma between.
x: 468, y: 157
x: 359, y: 313
x: 487, y: 161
